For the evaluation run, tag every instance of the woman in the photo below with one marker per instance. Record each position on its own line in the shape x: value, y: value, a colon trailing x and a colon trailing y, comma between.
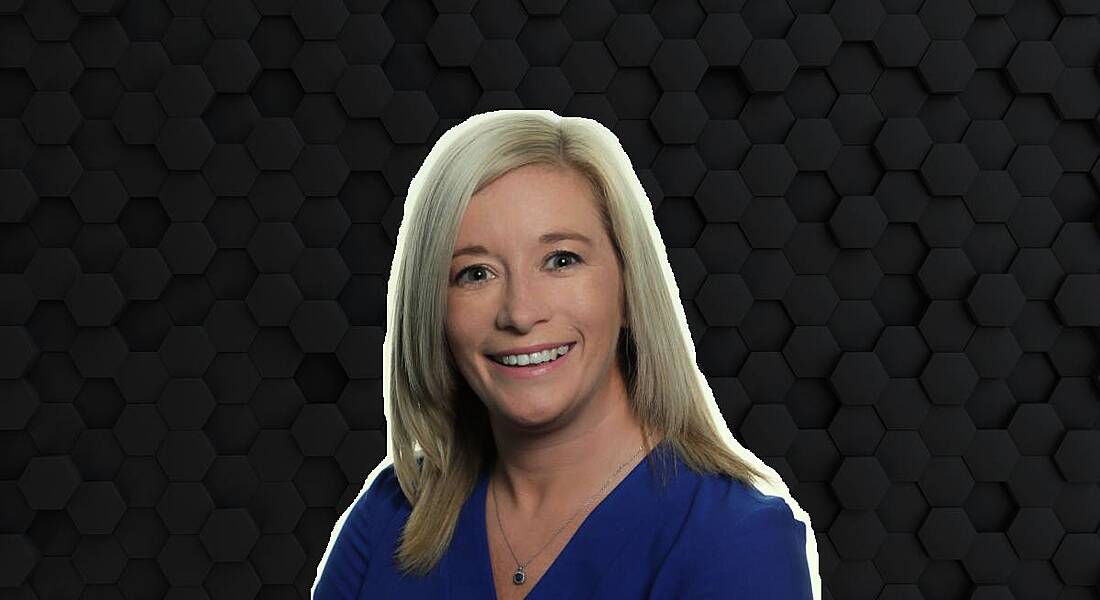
x: 536, y: 355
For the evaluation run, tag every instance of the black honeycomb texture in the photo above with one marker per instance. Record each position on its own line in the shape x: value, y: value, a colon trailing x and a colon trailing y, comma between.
x: 882, y: 216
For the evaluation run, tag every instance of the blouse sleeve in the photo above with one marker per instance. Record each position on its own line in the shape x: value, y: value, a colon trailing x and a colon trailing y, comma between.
x: 761, y: 555
x: 343, y: 573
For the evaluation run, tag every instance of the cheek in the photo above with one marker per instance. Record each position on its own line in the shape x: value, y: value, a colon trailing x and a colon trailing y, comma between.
x: 598, y: 297
x: 452, y: 325
x: 464, y: 322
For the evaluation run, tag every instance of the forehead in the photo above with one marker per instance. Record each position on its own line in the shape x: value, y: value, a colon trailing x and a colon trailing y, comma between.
x: 529, y: 201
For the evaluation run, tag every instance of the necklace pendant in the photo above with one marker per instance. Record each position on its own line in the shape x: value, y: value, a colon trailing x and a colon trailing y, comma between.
x: 519, y: 577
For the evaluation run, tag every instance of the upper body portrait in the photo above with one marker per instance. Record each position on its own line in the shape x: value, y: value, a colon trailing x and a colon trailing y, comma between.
x: 550, y: 433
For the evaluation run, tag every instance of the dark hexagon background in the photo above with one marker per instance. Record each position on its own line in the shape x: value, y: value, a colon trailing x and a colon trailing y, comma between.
x: 199, y: 203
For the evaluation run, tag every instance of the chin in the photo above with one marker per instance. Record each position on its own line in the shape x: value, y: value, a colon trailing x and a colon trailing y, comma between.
x: 531, y: 413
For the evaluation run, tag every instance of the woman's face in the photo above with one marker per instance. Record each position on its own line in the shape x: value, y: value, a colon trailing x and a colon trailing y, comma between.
x: 522, y: 285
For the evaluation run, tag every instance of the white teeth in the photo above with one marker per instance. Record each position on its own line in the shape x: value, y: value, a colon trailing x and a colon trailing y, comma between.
x: 533, y: 358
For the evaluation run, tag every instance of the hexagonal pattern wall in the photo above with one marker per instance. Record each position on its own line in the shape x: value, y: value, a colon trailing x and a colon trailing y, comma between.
x: 198, y: 208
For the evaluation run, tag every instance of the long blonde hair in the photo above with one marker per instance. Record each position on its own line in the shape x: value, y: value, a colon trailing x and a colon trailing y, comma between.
x: 439, y: 429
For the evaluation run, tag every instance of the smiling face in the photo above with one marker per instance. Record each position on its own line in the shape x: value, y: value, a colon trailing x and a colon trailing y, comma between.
x: 524, y: 286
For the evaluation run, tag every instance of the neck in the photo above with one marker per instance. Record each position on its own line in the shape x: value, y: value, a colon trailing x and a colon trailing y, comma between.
x: 533, y: 476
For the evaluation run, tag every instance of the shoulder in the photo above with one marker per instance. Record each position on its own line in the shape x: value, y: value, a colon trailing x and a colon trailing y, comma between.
x: 739, y: 507
x: 382, y: 498
x: 343, y: 568
x: 380, y: 503
x: 739, y: 540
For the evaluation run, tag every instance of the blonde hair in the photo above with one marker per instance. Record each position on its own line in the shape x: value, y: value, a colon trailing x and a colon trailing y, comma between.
x: 439, y: 429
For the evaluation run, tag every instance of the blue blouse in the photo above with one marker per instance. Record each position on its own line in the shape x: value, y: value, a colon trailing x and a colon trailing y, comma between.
x: 703, y: 536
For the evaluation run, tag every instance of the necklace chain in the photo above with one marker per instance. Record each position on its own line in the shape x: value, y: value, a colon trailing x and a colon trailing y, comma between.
x: 520, y: 577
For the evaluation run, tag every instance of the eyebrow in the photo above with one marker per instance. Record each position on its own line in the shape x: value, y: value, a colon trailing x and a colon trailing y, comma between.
x: 546, y: 238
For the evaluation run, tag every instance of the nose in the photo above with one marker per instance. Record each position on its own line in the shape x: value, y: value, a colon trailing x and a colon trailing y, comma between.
x: 523, y: 304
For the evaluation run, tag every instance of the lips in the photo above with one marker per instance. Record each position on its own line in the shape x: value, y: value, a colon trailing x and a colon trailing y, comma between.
x: 530, y: 371
x: 568, y: 348
x: 529, y: 349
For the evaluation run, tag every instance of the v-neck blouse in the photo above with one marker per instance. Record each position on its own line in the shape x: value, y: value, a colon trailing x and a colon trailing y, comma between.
x: 702, y: 536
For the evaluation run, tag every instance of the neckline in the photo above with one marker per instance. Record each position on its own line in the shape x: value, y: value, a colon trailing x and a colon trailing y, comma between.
x: 568, y: 550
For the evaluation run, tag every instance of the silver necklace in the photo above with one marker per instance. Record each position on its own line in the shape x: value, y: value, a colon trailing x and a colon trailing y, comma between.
x: 520, y: 575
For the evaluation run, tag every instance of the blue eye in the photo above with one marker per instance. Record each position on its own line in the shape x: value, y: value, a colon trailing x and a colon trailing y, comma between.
x: 567, y: 255
x: 458, y: 277
x: 554, y: 256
